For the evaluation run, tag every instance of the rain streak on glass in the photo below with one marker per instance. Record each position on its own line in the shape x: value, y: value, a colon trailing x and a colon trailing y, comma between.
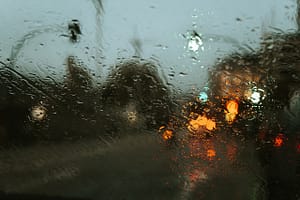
x: 96, y: 103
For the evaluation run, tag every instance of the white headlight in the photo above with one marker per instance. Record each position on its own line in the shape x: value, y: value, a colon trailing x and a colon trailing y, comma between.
x: 195, y: 43
x: 255, y: 95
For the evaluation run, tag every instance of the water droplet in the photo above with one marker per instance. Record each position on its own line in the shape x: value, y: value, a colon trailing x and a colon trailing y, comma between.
x: 163, y: 47
x: 171, y: 74
x: 182, y: 74
x: 79, y: 102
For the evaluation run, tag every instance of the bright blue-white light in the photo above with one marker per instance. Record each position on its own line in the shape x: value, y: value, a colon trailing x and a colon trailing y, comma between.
x: 203, y: 97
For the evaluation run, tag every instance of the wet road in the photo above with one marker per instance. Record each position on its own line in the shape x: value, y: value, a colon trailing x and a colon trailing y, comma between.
x: 136, y: 167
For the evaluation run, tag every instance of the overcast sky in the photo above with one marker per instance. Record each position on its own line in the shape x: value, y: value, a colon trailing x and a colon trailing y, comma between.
x: 161, y: 26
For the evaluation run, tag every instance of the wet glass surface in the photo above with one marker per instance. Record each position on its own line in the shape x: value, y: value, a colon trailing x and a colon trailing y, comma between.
x: 149, y: 99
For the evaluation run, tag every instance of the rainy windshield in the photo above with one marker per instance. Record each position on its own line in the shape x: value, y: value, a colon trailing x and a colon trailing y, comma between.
x: 112, y: 99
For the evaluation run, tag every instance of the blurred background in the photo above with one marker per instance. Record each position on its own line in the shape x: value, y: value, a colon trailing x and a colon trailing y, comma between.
x: 34, y: 34
x: 185, y: 39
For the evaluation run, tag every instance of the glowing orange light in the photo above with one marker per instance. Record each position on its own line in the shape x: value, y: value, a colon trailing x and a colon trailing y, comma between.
x: 232, y: 106
x: 211, y: 153
x: 201, y: 121
x: 231, y: 111
x: 278, y: 142
x: 167, y: 135
x: 210, y: 125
